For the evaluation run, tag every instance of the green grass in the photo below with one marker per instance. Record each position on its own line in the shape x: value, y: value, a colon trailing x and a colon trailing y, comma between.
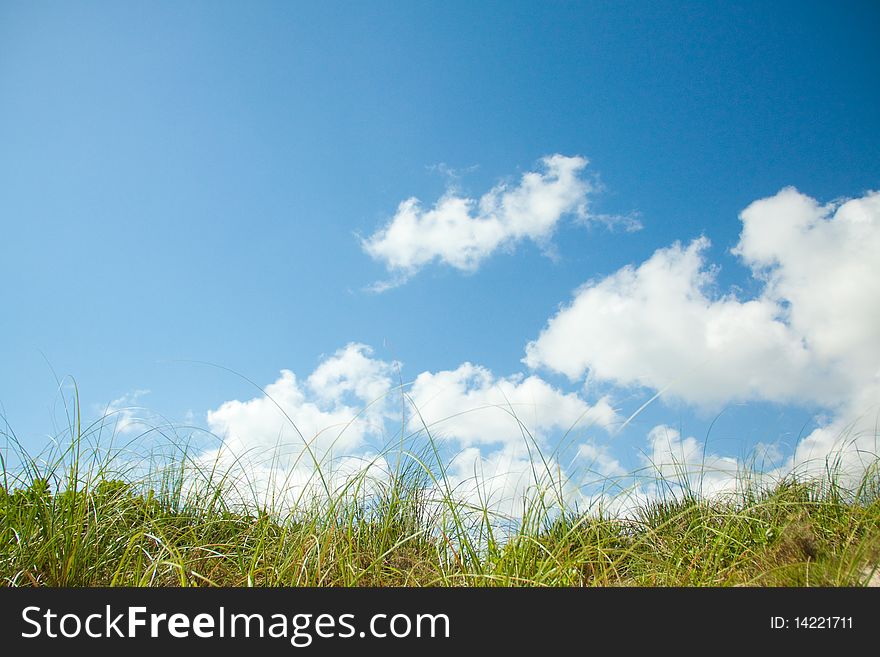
x: 90, y: 516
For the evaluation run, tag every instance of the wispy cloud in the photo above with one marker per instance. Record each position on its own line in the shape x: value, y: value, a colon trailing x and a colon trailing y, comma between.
x: 125, y: 416
x: 630, y: 222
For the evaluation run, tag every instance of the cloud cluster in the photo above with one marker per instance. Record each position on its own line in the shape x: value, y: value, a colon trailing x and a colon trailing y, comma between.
x: 685, y: 461
x: 299, y: 435
x: 507, y: 480
x: 326, y: 412
x: 462, y: 232
x: 507, y: 434
x: 809, y: 337
x: 672, y: 467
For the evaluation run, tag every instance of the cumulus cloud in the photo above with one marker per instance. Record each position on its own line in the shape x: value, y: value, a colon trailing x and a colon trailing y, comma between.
x: 508, y: 432
x: 820, y: 264
x: 462, y: 232
x: 301, y: 436
x: 507, y: 480
x: 296, y: 433
x: 809, y: 337
x: 328, y: 410
x: 474, y: 407
x: 657, y: 325
x: 597, y: 458
x: 672, y: 467
x: 686, y: 462
x: 352, y: 371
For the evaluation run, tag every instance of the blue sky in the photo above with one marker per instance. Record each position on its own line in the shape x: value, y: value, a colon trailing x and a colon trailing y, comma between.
x: 199, y: 181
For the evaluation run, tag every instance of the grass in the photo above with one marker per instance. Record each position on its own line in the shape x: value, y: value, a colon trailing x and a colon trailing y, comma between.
x: 91, y: 516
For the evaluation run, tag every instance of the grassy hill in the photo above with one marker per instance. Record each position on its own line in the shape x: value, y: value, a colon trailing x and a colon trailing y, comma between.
x: 69, y: 527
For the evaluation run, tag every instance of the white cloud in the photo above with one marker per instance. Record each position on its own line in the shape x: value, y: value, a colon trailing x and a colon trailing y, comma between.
x: 686, y: 462
x: 462, y: 232
x: 284, y: 441
x: 598, y: 459
x: 503, y: 427
x: 474, y: 407
x: 353, y: 371
x: 316, y: 414
x: 332, y: 425
x: 823, y: 263
x: 657, y: 326
x: 847, y: 443
x: 673, y: 468
x: 506, y: 480
x: 809, y: 337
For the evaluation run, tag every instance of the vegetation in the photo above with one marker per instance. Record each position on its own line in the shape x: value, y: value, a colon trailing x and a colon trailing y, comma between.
x: 89, y: 518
